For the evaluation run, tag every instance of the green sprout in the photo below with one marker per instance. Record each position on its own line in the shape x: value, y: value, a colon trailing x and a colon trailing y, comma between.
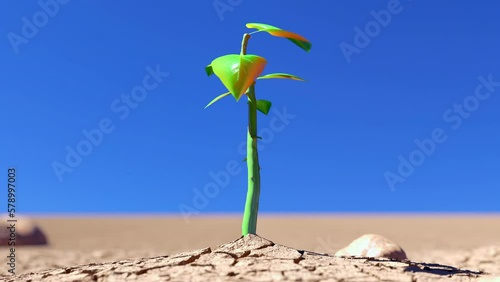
x: 239, y: 73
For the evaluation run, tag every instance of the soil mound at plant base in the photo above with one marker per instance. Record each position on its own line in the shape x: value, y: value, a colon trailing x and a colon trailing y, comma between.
x: 253, y: 258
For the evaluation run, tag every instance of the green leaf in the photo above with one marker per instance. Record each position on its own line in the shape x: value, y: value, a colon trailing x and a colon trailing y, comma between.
x: 209, y: 70
x: 299, y: 40
x: 238, y: 72
x: 281, y: 75
x: 218, y: 98
x: 264, y: 106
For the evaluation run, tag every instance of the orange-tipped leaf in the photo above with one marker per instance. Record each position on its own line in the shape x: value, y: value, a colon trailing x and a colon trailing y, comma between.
x: 298, y: 39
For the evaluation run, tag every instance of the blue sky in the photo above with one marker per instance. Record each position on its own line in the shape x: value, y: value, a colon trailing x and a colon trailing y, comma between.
x: 399, y: 112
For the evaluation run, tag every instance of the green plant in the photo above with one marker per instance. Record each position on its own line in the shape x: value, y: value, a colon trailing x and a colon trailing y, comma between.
x: 238, y: 73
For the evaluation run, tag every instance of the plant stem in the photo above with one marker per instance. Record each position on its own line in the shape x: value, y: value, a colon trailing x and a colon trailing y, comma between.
x: 252, y: 203
x: 249, y: 224
x: 244, y: 43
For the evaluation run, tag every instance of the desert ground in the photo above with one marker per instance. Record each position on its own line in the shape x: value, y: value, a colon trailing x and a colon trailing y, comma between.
x: 464, y: 241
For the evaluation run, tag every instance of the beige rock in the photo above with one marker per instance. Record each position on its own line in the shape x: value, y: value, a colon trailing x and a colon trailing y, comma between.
x: 27, y: 232
x: 373, y: 245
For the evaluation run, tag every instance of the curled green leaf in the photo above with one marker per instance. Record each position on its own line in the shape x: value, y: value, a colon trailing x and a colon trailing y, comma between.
x: 280, y: 75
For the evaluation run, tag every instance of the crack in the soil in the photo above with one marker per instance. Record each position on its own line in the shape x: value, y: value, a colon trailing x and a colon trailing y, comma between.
x: 203, y: 264
x: 191, y: 259
x: 233, y: 256
x: 298, y: 260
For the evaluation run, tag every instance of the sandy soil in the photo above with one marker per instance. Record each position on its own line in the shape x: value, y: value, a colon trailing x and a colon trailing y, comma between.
x: 466, y: 242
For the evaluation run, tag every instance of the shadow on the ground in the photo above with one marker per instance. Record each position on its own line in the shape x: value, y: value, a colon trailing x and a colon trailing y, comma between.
x: 438, y: 269
x: 422, y: 267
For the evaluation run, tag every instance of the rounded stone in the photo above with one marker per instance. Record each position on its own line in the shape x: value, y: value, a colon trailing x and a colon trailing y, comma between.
x: 25, y: 230
x: 375, y: 246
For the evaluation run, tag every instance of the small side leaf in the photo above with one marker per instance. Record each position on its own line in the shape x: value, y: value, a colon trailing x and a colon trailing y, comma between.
x: 281, y: 75
x: 209, y: 70
x: 218, y: 98
x: 299, y: 40
x: 264, y: 106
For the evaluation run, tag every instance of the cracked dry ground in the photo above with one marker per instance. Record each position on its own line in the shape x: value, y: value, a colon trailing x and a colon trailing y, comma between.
x: 253, y: 258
